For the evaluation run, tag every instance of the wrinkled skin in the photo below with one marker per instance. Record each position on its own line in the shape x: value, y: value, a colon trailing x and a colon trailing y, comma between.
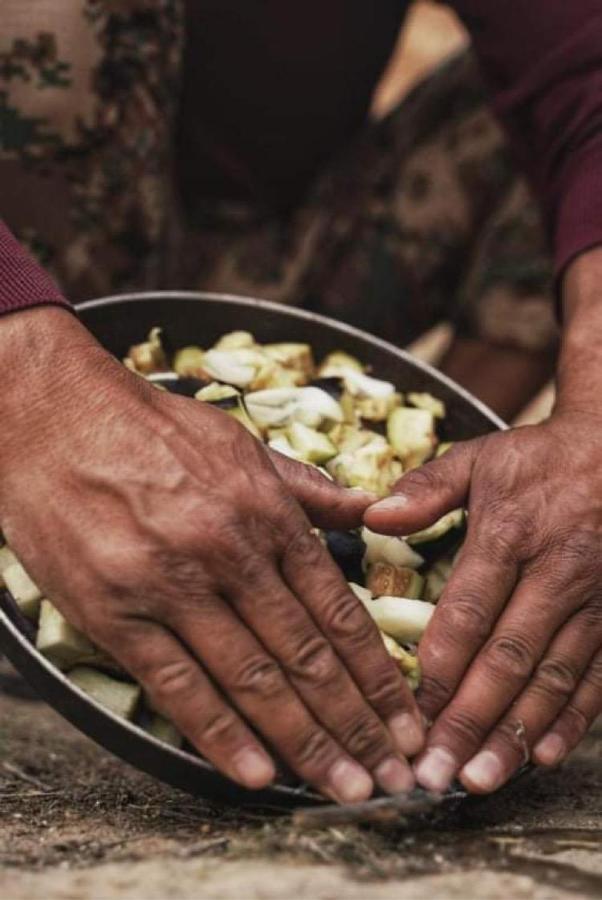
x: 166, y: 532
x: 512, y: 657
x: 515, y: 646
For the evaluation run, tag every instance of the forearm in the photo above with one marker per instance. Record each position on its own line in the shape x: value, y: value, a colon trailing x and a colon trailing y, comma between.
x: 579, y: 374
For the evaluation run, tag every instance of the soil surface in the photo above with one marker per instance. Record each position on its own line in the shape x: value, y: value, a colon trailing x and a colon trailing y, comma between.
x: 77, y: 823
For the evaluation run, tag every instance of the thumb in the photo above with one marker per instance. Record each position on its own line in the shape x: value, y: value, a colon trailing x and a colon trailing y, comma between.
x: 327, y: 504
x: 423, y: 495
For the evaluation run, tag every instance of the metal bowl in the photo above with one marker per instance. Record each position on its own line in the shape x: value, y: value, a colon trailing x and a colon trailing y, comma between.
x: 123, y: 320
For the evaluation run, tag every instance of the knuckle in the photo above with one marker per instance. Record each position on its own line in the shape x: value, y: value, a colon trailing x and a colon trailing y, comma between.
x: 366, y: 740
x: 464, y: 726
x: 314, y: 661
x: 347, y: 620
x: 258, y: 675
x: 219, y: 728
x: 312, y: 751
x: 556, y: 677
x: 502, y: 538
x: 592, y: 615
x: 304, y: 549
x: 173, y: 680
x: 424, y: 478
x: 465, y: 616
x: 509, y: 655
x: 432, y: 693
x: 577, y: 721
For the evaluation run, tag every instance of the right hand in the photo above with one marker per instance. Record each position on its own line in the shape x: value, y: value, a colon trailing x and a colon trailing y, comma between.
x: 164, y: 531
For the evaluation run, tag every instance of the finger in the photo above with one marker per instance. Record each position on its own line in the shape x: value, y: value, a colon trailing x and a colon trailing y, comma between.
x: 179, y: 688
x: 318, y: 675
x: 478, y: 589
x: 313, y: 577
x: 497, y: 675
x: 553, y: 684
x: 254, y: 682
x: 575, y: 720
x: 423, y: 495
x: 326, y: 503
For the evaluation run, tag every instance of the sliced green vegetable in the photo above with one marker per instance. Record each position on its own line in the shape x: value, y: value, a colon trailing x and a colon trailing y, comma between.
x: 119, y: 697
x: 235, y: 340
x: 149, y: 356
x: 164, y: 730
x: 372, y: 467
x: 279, y: 407
x: 436, y: 580
x: 188, y: 362
x: 312, y: 446
x: 337, y: 362
x: 387, y: 549
x: 229, y: 400
x: 292, y: 356
x: 24, y: 591
x: 401, y: 617
x: 411, y: 432
x: 428, y: 402
x: 453, y: 519
x: 407, y: 662
x: 59, y: 641
x: 7, y: 558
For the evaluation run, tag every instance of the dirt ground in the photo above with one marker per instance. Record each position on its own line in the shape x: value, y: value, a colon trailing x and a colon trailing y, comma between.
x: 78, y: 824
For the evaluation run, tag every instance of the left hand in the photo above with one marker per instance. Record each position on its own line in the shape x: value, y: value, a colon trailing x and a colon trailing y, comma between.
x: 512, y: 658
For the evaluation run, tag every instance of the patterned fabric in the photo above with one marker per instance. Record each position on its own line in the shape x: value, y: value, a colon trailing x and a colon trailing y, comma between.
x: 424, y: 218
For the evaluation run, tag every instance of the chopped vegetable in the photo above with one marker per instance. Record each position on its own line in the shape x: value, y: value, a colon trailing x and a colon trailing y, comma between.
x: 428, y: 402
x: 189, y: 362
x: 396, y: 581
x: 292, y: 356
x: 230, y: 401
x: 279, y: 407
x: 338, y: 362
x: 437, y: 579
x: 7, y: 558
x: 443, y: 448
x: 387, y: 549
x: 59, y: 641
x: 312, y: 446
x: 401, y: 617
x: 235, y: 340
x: 23, y: 590
x: 149, y: 356
x: 411, y: 432
x: 164, y: 730
x: 407, y: 662
x: 453, y: 519
x: 372, y: 467
x: 120, y: 697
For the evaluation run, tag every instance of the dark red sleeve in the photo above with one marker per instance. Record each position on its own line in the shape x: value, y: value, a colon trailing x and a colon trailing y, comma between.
x: 23, y: 283
x: 542, y: 60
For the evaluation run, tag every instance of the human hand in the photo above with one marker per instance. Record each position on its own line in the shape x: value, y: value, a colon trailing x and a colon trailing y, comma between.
x: 165, y: 532
x: 512, y: 657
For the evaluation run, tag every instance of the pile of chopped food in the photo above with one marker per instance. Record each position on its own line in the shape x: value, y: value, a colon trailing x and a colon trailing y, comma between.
x: 359, y: 430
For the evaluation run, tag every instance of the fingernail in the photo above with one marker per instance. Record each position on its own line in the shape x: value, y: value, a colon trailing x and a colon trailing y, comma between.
x: 394, y: 503
x: 407, y: 733
x: 435, y: 769
x: 550, y: 750
x: 484, y: 772
x: 393, y: 776
x: 349, y: 782
x: 254, y: 768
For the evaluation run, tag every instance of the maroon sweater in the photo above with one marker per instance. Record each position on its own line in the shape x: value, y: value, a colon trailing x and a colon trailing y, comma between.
x: 542, y: 60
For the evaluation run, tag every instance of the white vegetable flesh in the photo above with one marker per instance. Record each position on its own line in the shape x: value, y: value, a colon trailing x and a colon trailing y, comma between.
x: 120, y: 697
x: 23, y: 590
x: 59, y: 641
